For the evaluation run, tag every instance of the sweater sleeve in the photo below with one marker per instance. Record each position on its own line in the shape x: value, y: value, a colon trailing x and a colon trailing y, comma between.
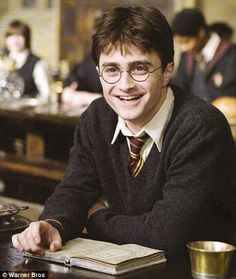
x: 196, y: 190
x: 79, y: 189
x: 43, y: 80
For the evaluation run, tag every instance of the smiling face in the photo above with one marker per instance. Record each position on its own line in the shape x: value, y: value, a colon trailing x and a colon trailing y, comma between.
x: 135, y: 102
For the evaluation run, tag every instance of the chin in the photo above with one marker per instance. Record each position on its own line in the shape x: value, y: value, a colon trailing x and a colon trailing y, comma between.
x: 130, y: 118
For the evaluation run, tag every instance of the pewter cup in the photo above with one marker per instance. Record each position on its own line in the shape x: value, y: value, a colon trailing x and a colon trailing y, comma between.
x: 210, y: 259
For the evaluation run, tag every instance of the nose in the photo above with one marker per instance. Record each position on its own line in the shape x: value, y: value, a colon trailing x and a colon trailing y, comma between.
x: 126, y: 82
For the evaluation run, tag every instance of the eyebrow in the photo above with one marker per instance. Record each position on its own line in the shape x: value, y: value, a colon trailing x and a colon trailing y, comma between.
x: 130, y: 64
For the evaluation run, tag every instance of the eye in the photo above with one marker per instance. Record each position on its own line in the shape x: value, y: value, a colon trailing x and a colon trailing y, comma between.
x: 111, y: 70
x: 139, y: 69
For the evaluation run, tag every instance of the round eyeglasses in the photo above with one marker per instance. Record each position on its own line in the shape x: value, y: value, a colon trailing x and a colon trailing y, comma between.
x: 138, y: 72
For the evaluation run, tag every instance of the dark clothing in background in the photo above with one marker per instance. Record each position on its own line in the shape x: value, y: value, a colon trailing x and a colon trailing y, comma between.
x: 26, y: 72
x: 185, y: 192
x: 218, y: 79
x: 86, y: 75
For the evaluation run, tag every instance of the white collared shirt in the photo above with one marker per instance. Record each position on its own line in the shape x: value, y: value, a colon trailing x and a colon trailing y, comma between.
x: 211, y: 46
x: 154, y: 128
x: 41, y: 74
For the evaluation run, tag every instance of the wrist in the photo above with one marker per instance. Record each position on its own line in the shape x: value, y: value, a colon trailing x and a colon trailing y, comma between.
x: 57, y: 225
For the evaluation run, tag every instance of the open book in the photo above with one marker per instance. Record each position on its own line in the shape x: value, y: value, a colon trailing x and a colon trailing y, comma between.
x: 103, y: 256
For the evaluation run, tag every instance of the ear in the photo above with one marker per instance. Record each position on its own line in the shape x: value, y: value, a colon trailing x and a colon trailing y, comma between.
x: 98, y: 71
x: 168, y: 73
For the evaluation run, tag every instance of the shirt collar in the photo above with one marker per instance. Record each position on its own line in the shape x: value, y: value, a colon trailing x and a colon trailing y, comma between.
x: 20, y: 58
x: 211, y: 46
x: 155, y: 127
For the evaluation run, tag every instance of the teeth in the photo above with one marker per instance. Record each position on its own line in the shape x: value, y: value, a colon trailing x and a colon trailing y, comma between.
x: 128, y: 98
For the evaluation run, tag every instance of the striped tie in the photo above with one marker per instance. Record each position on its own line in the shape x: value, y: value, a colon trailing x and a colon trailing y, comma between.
x: 136, y: 161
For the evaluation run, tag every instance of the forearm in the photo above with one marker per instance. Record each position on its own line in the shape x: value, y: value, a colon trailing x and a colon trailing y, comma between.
x: 78, y: 191
x: 78, y: 98
x: 85, y: 98
x: 172, y: 221
x: 147, y: 229
x: 43, y: 80
x: 68, y: 210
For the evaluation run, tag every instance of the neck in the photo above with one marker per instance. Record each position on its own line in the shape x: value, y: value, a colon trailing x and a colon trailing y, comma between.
x: 17, y: 52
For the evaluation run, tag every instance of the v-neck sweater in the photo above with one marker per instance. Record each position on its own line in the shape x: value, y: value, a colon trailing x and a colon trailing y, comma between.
x: 187, y: 192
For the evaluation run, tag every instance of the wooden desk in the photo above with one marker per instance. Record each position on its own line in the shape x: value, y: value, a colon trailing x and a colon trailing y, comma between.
x: 12, y: 260
x: 51, y: 114
x: 32, y: 213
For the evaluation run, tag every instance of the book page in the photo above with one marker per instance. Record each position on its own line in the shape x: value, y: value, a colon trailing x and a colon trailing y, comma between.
x: 118, y: 254
x: 141, y: 251
x: 79, y: 247
x: 101, y: 251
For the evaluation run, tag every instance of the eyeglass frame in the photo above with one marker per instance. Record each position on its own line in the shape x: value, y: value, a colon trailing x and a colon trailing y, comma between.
x: 121, y: 72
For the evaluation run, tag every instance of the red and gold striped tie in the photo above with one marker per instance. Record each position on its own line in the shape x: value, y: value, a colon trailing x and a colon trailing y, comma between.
x: 136, y: 161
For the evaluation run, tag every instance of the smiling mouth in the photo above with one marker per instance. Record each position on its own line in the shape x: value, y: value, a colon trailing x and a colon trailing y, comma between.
x: 128, y: 98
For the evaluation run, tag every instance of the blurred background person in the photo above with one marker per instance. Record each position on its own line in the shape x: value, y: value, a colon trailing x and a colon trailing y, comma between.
x: 34, y: 71
x: 82, y: 85
x: 207, y: 66
x: 223, y: 29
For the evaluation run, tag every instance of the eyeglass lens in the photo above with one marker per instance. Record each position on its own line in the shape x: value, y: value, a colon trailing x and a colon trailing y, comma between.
x: 112, y: 74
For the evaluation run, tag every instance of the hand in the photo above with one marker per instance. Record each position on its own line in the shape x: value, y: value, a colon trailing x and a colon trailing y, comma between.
x: 70, y: 95
x: 100, y: 204
x: 72, y: 87
x: 73, y: 98
x: 37, y: 237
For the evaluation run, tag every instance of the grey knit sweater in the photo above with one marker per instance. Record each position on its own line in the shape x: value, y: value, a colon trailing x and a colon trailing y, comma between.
x: 186, y: 192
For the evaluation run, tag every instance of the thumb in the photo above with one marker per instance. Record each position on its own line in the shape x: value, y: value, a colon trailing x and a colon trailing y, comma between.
x: 74, y: 85
x: 55, y: 245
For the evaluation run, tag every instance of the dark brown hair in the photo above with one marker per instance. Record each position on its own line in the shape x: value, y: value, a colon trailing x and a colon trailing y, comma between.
x: 144, y: 27
x: 188, y: 23
x: 17, y: 27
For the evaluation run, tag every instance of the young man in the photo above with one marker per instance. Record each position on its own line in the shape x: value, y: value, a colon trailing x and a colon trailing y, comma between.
x: 207, y: 65
x: 181, y: 187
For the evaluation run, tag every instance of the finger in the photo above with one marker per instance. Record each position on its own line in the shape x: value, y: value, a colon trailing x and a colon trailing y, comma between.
x: 28, y: 244
x: 55, y: 245
x: 74, y: 85
x: 36, y: 229
x: 30, y: 239
x: 40, y: 231
x: 16, y: 243
x: 35, y: 244
x: 45, y: 234
x: 26, y: 241
x: 23, y: 239
x: 56, y: 240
